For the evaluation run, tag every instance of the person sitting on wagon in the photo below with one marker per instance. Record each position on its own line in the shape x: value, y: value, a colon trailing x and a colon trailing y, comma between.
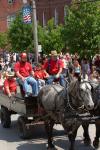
x: 39, y: 75
x: 25, y: 74
x: 10, y: 85
x: 53, y: 68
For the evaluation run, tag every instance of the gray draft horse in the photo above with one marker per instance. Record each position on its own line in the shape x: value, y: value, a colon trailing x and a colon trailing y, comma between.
x: 95, y: 112
x: 60, y: 103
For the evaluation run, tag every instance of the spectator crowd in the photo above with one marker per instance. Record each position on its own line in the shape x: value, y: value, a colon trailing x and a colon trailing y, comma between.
x: 52, y: 68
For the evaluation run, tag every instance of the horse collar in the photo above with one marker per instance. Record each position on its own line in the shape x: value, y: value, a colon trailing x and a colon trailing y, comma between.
x: 74, y: 107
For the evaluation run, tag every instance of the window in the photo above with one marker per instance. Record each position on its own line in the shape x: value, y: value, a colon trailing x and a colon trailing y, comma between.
x: 56, y: 17
x: 65, y: 11
x: 10, y: 19
x: 44, y: 21
x: 10, y: 1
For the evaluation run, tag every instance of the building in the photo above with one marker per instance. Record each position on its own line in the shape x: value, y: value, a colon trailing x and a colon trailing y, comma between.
x: 46, y: 9
x: 8, y: 9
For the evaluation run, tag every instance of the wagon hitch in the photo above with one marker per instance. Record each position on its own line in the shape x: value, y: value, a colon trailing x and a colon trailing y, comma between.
x: 88, y: 118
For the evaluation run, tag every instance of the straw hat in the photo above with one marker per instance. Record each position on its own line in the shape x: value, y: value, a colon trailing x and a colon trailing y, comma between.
x: 1, y: 59
x: 10, y: 74
x: 54, y: 53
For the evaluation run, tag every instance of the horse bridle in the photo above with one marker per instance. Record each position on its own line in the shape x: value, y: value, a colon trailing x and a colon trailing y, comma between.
x: 71, y: 105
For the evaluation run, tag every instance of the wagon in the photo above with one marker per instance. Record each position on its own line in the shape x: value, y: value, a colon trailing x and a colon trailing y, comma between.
x: 30, y: 113
x: 27, y: 108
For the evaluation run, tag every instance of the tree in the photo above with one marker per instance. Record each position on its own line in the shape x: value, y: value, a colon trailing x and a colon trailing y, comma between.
x: 20, y: 35
x: 81, y: 31
x: 3, y: 40
x: 50, y: 37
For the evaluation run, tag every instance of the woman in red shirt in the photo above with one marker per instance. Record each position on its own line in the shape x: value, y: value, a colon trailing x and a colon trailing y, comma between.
x: 10, y: 86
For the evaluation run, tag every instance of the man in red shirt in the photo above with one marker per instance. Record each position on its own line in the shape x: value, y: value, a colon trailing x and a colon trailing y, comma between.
x: 10, y: 86
x: 24, y: 72
x: 53, y: 68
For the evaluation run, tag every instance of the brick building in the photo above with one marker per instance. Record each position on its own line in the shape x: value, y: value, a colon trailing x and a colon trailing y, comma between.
x: 46, y: 9
x: 8, y: 11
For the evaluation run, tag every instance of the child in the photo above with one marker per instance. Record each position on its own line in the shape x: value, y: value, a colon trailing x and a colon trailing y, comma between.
x: 10, y: 86
x: 40, y: 75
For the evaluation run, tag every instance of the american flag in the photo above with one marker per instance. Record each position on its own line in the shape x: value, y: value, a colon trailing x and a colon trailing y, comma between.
x: 27, y: 15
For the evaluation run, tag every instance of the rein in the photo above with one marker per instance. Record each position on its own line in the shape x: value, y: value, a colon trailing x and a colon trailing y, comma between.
x: 73, y: 107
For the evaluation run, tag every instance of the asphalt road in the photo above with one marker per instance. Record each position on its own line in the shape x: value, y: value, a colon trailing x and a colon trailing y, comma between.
x: 9, y: 138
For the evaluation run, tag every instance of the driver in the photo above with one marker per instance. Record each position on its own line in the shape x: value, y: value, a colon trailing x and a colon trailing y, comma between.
x: 25, y: 74
x: 53, y: 68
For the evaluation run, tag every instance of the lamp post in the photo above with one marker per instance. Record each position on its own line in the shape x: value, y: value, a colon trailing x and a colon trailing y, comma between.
x: 34, y: 27
x: 35, y: 31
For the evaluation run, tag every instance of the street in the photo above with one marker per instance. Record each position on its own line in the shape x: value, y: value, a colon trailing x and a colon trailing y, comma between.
x: 9, y: 139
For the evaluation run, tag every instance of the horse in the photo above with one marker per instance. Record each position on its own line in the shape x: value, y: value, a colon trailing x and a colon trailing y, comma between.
x: 60, y: 103
x: 95, y: 112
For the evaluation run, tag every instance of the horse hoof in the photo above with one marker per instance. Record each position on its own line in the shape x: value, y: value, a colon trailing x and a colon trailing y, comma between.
x: 87, y: 142
x: 96, y: 144
x: 71, y: 149
x: 53, y: 148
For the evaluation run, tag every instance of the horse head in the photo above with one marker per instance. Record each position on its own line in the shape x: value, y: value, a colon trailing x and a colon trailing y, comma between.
x: 96, y: 94
x: 85, y: 92
x: 81, y: 93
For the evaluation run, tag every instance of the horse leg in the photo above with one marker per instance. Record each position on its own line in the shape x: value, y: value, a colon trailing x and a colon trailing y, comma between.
x: 72, y: 136
x: 49, y: 130
x: 96, y: 140
x: 87, y: 139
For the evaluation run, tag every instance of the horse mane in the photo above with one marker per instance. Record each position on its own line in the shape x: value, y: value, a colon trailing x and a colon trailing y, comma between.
x: 74, y: 87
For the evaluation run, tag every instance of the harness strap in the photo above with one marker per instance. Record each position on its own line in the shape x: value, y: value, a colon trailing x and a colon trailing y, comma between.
x: 58, y: 92
x: 49, y: 65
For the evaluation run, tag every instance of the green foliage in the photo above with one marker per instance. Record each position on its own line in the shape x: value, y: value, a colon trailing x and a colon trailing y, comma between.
x: 50, y: 37
x: 20, y: 35
x: 81, y: 32
x: 3, y: 40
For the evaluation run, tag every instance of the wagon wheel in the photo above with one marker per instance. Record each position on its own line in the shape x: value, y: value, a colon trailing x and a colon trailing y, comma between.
x: 24, y: 132
x: 5, y: 117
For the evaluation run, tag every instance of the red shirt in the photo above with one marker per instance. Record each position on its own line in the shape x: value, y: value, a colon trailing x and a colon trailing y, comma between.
x: 11, y: 84
x: 53, y: 66
x: 39, y: 74
x: 24, y: 68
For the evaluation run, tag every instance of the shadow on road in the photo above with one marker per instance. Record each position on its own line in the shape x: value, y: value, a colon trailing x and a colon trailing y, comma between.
x: 37, y: 131
x: 39, y: 140
x: 60, y: 142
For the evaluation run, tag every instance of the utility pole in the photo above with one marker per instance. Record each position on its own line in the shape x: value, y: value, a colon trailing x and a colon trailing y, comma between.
x: 34, y: 27
x: 35, y: 31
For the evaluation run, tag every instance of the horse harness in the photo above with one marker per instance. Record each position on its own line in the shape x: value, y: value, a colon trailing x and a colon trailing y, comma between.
x: 82, y: 107
x: 69, y: 106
